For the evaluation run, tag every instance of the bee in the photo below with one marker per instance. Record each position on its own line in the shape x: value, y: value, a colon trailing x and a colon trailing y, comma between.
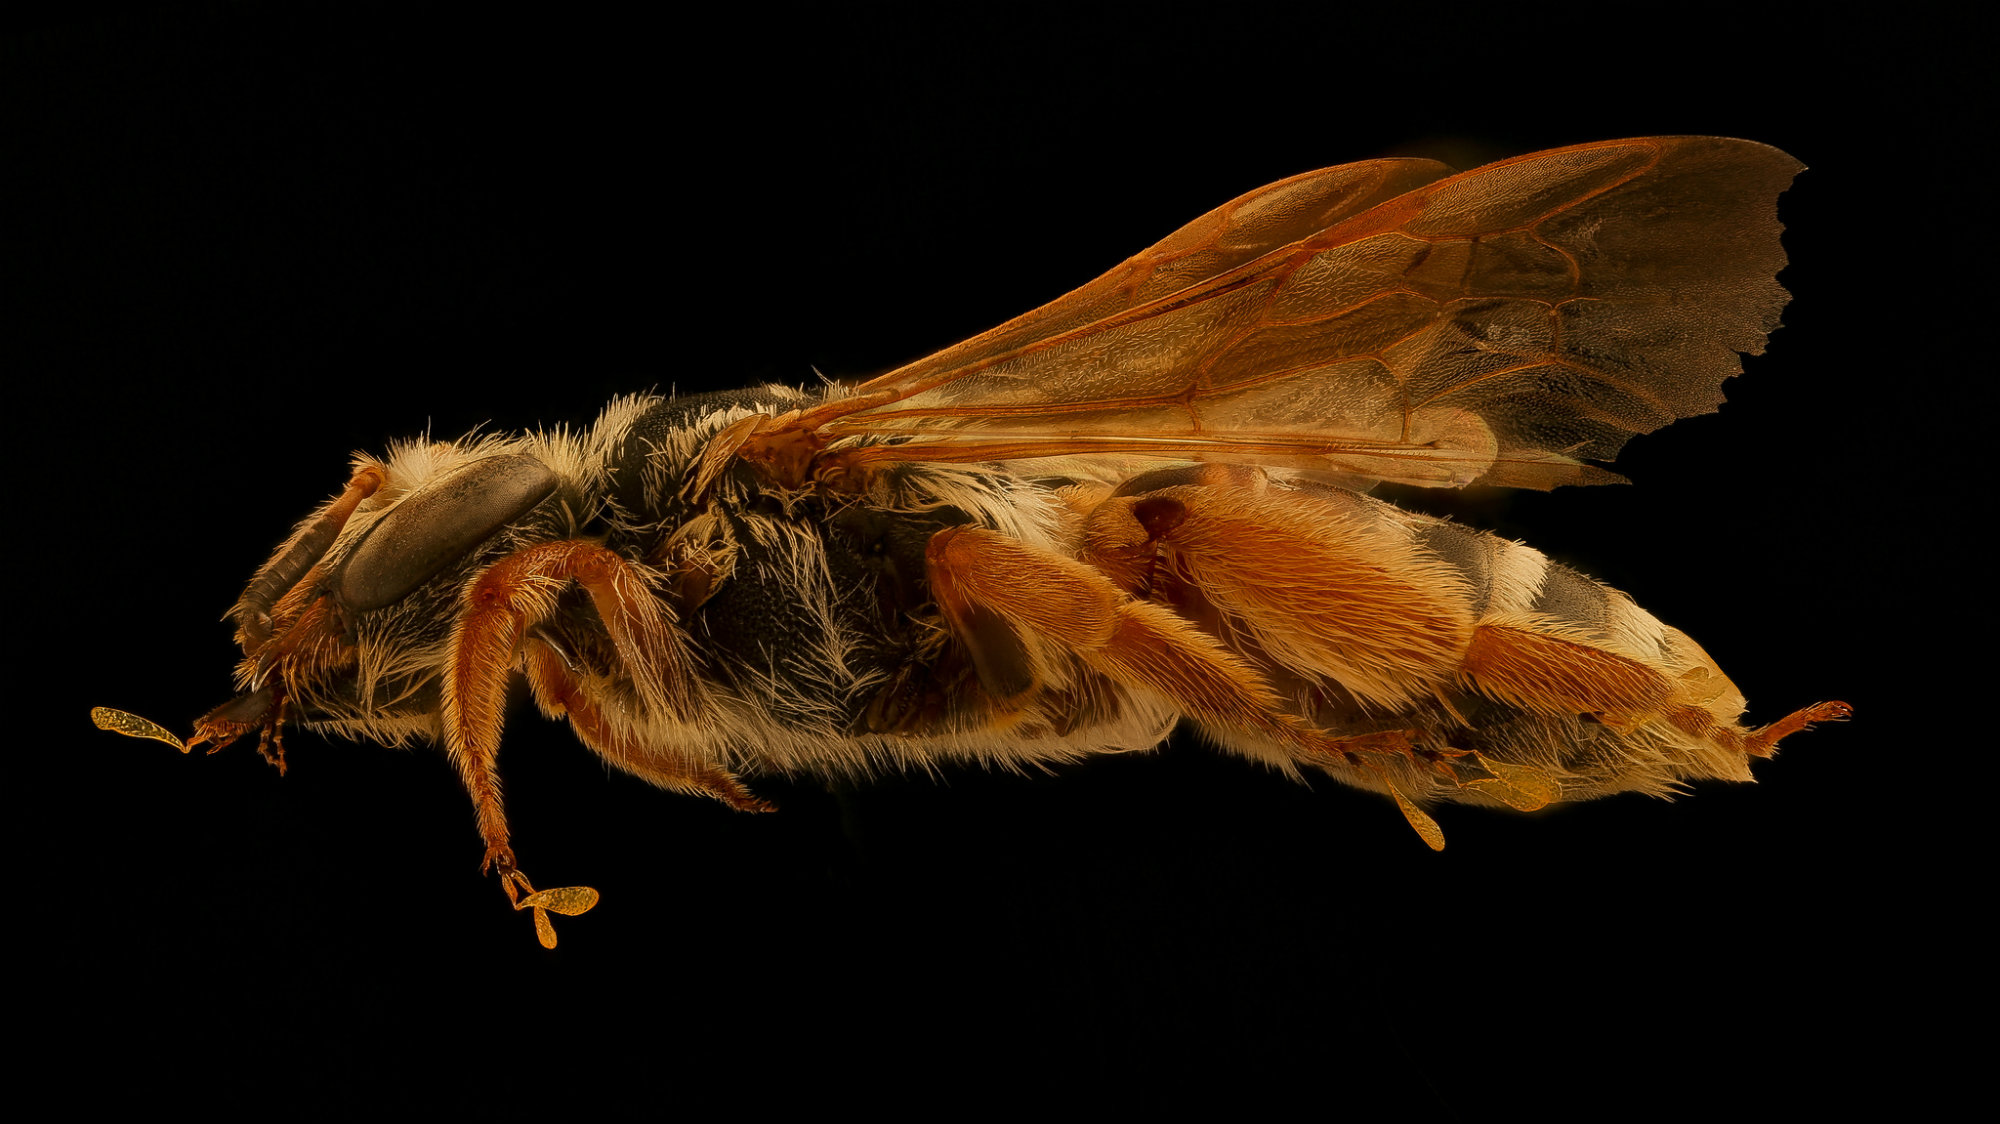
x: 1142, y: 505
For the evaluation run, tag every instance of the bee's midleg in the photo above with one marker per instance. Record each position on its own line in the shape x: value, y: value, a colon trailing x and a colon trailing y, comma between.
x: 559, y: 692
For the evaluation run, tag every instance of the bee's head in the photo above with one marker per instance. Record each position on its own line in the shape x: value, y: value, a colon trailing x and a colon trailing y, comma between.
x: 347, y: 622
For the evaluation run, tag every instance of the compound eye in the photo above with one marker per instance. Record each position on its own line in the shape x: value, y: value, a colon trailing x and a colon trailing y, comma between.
x: 437, y: 525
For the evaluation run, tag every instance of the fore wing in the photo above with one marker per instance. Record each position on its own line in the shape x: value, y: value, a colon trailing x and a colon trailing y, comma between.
x: 1375, y: 321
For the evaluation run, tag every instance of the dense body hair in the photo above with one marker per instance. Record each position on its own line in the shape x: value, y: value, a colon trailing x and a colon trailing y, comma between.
x: 815, y: 619
x: 1141, y: 504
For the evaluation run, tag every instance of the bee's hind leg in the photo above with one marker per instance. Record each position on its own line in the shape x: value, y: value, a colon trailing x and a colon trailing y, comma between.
x: 1016, y: 609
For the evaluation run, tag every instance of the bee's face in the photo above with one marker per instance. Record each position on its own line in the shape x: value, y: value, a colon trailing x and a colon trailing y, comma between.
x: 347, y: 626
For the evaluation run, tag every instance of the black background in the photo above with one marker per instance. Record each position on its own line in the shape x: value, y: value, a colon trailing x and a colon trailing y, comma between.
x: 253, y: 237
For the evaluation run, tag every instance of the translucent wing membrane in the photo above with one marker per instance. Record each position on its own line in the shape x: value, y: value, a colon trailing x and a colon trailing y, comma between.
x: 1375, y: 321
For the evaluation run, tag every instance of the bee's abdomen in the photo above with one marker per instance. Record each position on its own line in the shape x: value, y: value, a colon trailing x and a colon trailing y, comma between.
x: 1378, y: 624
x: 1582, y: 674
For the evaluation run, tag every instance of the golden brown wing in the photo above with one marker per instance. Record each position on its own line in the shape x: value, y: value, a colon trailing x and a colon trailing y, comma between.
x: 1375, y: 321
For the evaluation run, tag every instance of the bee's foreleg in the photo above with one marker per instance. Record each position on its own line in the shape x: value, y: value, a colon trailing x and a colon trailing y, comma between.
x: 292, y: 568
x: 500, y: 606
